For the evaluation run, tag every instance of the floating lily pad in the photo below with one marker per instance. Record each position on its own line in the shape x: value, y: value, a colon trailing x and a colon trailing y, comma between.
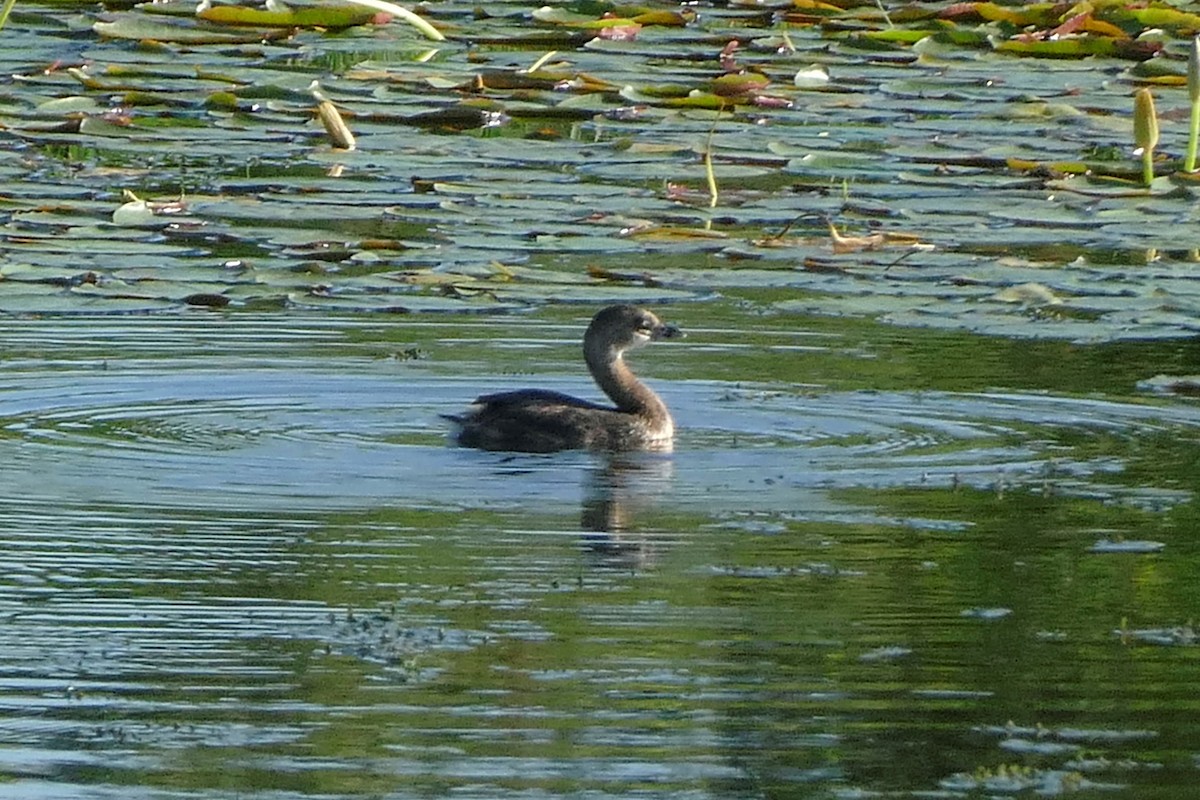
x: 489, y: 153
x: 395, y: 304
x: 313, y: 17
x: 143, y: 28
x: 1126, y: 546
x: 1188, y: 385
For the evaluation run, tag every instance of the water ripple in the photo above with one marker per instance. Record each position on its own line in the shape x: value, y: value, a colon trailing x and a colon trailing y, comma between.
x: 280, y: 569
x: 261, y: 438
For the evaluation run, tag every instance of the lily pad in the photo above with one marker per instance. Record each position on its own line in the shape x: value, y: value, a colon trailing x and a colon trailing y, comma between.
x: 146, y: 28
x: 312, y: 17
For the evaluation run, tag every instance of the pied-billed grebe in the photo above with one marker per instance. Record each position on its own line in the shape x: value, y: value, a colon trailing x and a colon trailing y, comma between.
x: 540, y: 421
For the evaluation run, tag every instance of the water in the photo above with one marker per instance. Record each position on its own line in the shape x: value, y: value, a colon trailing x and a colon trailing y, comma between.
x: 240, y: 561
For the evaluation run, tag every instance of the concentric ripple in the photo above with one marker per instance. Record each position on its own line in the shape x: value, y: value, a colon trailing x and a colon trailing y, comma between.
x: 260, y: 438
x: 268, y: 576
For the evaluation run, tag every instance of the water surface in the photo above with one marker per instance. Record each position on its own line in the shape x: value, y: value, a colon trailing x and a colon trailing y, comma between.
x: 239, y: 560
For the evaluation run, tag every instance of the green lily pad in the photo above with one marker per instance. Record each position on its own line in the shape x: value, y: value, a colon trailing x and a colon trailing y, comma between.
x: 311, y: 17
x: 145, y: 28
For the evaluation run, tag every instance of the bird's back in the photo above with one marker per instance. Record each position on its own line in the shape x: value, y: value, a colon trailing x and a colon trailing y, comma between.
x: 542, y: 421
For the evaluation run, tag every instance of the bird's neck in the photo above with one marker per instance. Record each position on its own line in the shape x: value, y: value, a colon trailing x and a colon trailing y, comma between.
x: 629, y: 394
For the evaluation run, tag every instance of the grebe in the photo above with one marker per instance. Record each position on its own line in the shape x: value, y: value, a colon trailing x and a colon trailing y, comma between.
x: 541, y: 421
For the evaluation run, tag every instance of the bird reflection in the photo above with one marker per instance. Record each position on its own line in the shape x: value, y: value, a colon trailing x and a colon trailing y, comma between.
x: 618, y: 490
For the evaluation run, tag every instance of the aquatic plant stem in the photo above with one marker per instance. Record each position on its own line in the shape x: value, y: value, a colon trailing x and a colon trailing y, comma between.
x: 1145, y: 131
x: 335, y: 126
x: 886, y: 17
x: 1193, y: 85
x: 6, y: 10
x: 1189, y: 164
x: 541, y: 62
x: 713, y: 193
x: 403, y: 13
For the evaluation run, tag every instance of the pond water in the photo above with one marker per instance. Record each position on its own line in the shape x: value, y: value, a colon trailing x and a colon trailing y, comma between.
x: 240, y: 560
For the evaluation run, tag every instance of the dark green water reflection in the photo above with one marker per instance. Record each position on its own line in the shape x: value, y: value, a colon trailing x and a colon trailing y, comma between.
x: 239, y: 561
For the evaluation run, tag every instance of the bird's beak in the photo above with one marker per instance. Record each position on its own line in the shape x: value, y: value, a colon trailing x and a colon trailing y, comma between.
x: 668, y: 332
